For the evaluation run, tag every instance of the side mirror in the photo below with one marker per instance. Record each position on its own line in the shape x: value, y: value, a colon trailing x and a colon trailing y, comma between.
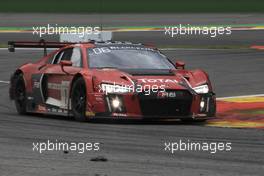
x: 180, y: 65
x: 65, y: 63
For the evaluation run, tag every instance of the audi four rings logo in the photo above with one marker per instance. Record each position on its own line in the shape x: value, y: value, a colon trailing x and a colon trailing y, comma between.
x: 166, y: 95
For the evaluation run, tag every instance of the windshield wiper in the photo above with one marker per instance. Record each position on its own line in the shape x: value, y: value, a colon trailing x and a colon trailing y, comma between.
x: 107, y: 67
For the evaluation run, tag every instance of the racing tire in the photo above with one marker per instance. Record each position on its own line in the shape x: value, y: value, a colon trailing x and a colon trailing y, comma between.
x: 20, y: 94
x: 78, y: 99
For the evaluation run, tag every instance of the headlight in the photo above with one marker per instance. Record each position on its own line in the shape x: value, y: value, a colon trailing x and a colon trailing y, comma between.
x: 201, y: 89
x: 116, y: 103
x: 112, y: 88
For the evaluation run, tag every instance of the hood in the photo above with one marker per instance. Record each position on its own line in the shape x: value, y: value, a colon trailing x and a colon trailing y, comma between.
x: 158, y: 78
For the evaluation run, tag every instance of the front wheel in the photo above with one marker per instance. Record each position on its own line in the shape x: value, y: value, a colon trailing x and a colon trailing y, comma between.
x: 20, y: 94
x: 78, y: 99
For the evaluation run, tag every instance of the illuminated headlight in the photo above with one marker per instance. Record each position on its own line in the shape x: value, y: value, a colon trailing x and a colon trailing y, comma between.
x: 111, y: 88
x: 201, y: 89
x: 202, y: 104
x: 116, y: 103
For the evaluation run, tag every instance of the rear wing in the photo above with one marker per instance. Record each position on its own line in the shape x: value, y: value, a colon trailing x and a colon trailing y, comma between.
x: 41, y: 44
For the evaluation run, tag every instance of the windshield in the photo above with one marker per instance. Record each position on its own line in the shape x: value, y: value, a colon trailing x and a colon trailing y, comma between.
x: 127, y: 57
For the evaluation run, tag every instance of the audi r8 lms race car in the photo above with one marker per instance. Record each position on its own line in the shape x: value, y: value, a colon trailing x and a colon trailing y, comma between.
x: 110, y: 79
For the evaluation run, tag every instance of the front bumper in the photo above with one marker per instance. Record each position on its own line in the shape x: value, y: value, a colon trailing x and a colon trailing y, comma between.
x: 138, y: 106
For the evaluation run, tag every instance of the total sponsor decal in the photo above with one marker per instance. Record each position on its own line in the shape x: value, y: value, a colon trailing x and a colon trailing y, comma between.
x: 240, y: 112
x: 144, y: 80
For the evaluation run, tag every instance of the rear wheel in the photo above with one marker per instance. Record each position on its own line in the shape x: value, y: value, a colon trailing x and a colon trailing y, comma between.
x: 78, y: 99
x: 20, y: 94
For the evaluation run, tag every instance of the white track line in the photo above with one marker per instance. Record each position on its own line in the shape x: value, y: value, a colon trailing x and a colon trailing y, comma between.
x: 28, y: 49
x: 198, y: 49
x: 240, y: 96
x: 4, y: 82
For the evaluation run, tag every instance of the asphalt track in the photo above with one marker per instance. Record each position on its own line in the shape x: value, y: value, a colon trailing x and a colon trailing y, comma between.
x: 137, y: 148
x: 238, y: 38
x: 138, y: 20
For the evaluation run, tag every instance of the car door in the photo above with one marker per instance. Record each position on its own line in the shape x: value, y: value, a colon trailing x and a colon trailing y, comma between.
x: 54, y: 81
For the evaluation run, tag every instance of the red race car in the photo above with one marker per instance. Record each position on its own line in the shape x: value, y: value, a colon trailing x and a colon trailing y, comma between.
x: 110, y: 79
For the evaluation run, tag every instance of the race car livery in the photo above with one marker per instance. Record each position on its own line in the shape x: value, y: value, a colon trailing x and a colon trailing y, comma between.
x: 110, y: 80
